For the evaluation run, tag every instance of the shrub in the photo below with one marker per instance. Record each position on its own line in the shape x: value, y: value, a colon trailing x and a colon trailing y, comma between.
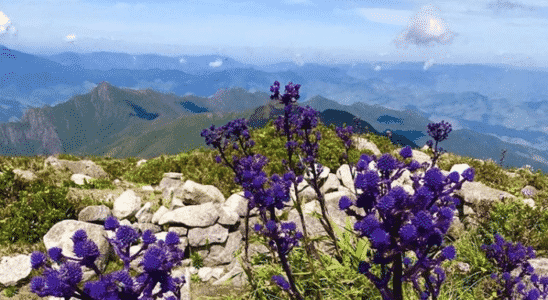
x: 10, y: 187
x: 197, y: 261
x: 33, y: 215
x: 518, y: 222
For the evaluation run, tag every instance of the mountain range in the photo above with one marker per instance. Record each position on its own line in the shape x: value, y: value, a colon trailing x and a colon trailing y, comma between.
x: 97, y: 103
x: 119, y: 122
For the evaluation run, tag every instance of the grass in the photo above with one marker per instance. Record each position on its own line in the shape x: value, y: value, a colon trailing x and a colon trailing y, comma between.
x: 513, y: 221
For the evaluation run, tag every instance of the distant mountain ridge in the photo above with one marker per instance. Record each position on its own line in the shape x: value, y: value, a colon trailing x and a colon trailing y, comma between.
x: 191, y: 64
x: 115, y: 122
x: 108, y: 116
x: 34, y: 77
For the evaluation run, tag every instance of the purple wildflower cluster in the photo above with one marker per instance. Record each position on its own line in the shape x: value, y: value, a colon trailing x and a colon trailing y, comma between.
x: 157, y: 262
x: 395, y: 222
x: 509, y: 257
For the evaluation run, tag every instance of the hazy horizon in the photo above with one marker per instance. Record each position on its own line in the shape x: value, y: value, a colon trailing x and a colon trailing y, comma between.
x: 299, y: 31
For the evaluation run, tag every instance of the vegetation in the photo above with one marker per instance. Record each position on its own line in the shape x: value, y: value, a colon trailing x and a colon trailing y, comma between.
x: 29, y: 209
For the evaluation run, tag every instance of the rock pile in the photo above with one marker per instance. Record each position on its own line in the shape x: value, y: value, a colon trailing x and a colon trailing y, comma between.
x: 200, y: 214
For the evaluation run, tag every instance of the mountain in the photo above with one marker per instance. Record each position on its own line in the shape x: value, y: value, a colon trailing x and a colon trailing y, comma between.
x: 97, y: 119
x: 408, y: 127
x: 34, y: 134
x: 28, y: 72
x: 412, y: 125
x: 30, y: 81
x: 462, y: 93
x: 123, y: 122
x: 190, y: 64
x: 105, y: 61
x: 118, y: 122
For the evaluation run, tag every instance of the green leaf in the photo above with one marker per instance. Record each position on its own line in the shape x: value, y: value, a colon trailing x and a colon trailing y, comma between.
x: 284, y: 216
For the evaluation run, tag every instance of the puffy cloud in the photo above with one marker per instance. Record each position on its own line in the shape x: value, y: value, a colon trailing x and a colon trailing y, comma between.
x: 182, y: 60
x: 6, y: 26
x: 425, y: 28
x: 216, y: 64
x: 70, y: 38
x: 377, y: 68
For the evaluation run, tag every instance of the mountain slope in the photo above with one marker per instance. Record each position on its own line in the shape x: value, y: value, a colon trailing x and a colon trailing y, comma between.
x: 94, y: 123
x: 413, y: 126
x: 123, y: 122
x: 33, y: 134
x: 29, y: 72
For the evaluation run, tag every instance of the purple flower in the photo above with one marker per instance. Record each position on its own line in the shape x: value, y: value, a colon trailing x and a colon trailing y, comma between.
x: 345, y: 203
x: 509, y: 257
x: 439, y: 131
x: 419, y: 221
x: 281, y: 282
x: 158, y: 261
x: 449, y: 252
x: 408, y: 232
x: 55, y: 253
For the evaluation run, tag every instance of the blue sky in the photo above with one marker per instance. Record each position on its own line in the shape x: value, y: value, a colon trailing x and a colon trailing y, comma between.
x: 303, y: 31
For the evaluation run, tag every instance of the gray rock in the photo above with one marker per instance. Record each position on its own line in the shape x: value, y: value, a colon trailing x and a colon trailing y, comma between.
x: 199, y: 212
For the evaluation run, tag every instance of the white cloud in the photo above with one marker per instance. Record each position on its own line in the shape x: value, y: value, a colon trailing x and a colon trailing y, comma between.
x: 6, y: 26
x: 425, y: 28
x: 377, y: 68
x: 428, y: 64
x: 385, y: 16
x: 182, y: 60
x: 70, y: 38
x: 216, y: 64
